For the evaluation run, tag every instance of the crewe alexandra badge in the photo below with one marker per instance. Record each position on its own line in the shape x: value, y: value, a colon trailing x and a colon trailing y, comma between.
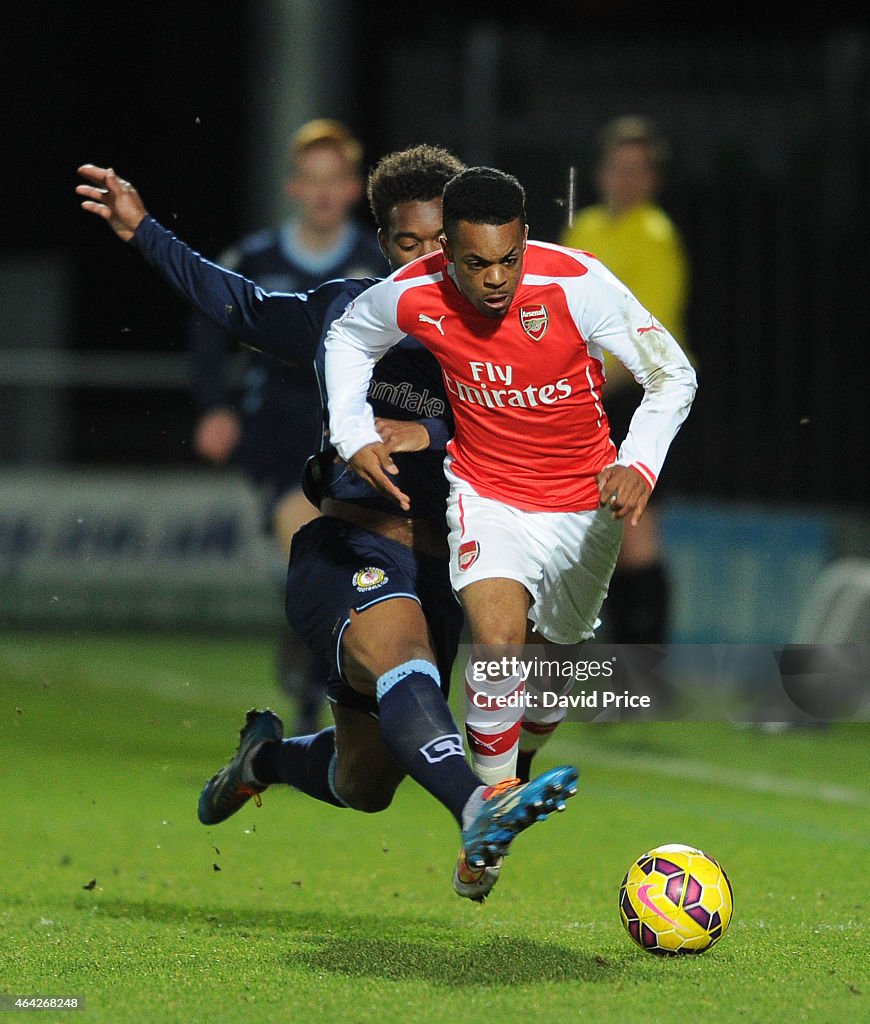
x: 535, y: 320
x: 369, y: 578
x: 468, y: 553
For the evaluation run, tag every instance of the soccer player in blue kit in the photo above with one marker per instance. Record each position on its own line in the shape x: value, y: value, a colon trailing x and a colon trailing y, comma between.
x: 367, y: 588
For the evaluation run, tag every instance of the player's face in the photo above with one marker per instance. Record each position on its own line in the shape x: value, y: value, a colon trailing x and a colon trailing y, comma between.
x: 413, y: 229
x: 324, y: 188
x: 488, y: 262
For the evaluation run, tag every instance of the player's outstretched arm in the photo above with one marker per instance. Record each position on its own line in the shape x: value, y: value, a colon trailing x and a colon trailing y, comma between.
x: 285, y: 325
x: 113, y: 199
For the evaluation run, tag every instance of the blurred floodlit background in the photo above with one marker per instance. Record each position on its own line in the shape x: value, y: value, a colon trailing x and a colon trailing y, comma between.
x: 106, y: 515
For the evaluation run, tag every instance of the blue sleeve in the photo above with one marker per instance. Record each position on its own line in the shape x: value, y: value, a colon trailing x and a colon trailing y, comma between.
x: 440, y: 431
x: 283, y: 324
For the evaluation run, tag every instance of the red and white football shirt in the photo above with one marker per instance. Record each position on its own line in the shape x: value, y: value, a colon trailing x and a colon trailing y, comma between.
x: 526, y: 388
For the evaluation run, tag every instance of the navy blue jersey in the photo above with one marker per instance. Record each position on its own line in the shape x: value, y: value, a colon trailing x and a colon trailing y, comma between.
x: 406, y: 385
x: 270, y: 393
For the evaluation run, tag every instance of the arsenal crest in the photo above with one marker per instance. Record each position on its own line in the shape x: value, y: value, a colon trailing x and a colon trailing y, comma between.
x: 468, y: 553
x: 535, y: 321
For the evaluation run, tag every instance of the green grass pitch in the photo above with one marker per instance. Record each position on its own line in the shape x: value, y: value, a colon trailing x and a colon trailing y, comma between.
x: 112, y: 891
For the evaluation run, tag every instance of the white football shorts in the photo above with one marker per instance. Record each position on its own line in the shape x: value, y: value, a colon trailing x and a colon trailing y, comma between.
x: 564, y: 559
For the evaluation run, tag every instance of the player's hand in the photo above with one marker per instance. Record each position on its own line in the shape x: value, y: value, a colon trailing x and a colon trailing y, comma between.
x: 372, y: 463
x: 216, y: 435
x: 624, y: 491
x: 113, y: 199
x: 402, y: 435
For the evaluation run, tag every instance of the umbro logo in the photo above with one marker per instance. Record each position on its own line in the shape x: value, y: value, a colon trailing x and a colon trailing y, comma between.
x: 443, y: 747
x: 424, y: 319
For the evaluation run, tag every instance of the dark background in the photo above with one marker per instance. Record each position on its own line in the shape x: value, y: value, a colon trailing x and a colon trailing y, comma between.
x: 769, y: 118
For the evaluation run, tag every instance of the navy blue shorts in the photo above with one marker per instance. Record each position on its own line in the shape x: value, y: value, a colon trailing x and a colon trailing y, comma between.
x: 336, y: 567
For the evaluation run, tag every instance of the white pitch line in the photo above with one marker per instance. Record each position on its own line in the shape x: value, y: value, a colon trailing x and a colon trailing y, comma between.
x: 702, y: 772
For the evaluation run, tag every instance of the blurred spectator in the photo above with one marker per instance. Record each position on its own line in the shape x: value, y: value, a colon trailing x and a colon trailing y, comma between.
x: 636, y: 240
x: 276, y: 422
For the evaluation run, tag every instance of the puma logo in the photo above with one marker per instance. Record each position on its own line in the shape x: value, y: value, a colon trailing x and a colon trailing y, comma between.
x: 424, y: 319
x: 652, y: 327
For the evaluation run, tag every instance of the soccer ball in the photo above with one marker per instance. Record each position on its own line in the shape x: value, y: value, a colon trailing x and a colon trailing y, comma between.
x: 675, y: 900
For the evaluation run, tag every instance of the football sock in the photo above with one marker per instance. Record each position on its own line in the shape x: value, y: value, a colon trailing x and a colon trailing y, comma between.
x: 420, y: 732
x: 524, y: 764
x: 493, y: 729
x: 473, y: 806
x: 538, y: 726
x: 304, y: 762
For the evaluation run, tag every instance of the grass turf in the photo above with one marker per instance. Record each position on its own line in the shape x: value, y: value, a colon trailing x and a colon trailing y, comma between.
x: 301, y: 912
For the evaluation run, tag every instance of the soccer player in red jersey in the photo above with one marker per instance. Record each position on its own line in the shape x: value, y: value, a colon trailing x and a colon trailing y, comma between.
x: 539, y: 494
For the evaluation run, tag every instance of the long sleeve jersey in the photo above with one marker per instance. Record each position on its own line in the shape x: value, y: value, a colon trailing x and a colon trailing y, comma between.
x: 291, y: 327
x: 530, y: 428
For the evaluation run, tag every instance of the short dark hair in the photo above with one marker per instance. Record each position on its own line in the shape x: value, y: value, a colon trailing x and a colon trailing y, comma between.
x: 483, y: 195
x: 418, y: 174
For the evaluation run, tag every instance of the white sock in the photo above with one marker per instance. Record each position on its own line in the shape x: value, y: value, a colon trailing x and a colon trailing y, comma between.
x: 534, y: 735
x: 472, y: 807
x: 493, y: 730
x: 539, y: 724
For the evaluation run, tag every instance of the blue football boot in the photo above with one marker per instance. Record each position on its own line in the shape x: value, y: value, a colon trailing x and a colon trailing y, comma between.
x: 234, y: 785
x: 510, y: 808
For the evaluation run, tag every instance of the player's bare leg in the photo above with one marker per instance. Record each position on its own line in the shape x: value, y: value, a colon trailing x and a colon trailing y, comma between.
x: 497, y: 611
x: 381, y: 637
x: 366, y: 773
